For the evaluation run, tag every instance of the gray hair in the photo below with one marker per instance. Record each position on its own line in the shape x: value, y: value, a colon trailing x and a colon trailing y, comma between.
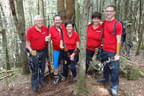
x: 36, y: 17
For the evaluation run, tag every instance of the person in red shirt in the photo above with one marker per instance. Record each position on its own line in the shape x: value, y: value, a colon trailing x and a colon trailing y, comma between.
x: 55, y: 34
x: 36, y: 44
x: 93, y: 37
x: 70, y: 46
x: 111, y: 49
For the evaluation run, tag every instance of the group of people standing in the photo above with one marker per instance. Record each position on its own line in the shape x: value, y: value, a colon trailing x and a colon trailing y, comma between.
x: 66, y: 47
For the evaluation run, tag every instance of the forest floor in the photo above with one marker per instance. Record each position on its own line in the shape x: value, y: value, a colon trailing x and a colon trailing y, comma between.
x: 21, y: 86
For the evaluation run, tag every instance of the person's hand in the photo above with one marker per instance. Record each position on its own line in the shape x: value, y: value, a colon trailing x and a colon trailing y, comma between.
x: 116, y: 57
x: 72, y: 56
x: 34, y: 52
x: 47, y: 38
x: 65, y: 49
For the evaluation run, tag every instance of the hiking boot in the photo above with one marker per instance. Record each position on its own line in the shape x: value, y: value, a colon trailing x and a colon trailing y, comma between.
x: 35, y: 89
x: 63, y: 78
x: 113, y: 92
x: 74, y: 79
x: 42, y: 83
x: 56, y: 79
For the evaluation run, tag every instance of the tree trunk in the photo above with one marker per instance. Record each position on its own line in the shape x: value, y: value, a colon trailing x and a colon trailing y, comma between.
x: 140, y: 31
x: 38, y: 7
x: 69, y: 9
x: 65, y: 9
x: 84, y: 25
x: 77, y: 16
x: 20, y: 28
x: 43, y: 10
x: 61, y: 9
x: 4, y: 41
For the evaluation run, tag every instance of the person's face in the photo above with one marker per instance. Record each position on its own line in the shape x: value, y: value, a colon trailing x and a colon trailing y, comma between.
x: 69, y: 28
x: 96, y: 21
x: 57, y: 21
x: 110, y: 12
x: 39, y: 22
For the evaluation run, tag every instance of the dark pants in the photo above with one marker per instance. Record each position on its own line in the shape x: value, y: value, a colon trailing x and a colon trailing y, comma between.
x: 38, y: 68
x: 114, y: 72
x: 89, y: 55
x: 72, y: 64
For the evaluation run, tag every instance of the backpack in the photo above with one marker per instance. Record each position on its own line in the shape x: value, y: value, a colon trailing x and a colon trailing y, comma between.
x: 123, y: 37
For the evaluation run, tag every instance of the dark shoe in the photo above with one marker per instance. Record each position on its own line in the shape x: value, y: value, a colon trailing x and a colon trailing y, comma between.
x: 42, y: 83
x: 35, y: 89
x: 101, y: 81
x: 113, y: 92
x: 56, y: 79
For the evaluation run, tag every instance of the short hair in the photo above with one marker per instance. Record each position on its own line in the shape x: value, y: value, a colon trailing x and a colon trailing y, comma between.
x: 96, y: 15
x: 113, y: 6
x: 69, y: 22
x: 56, y: 16
x: 36, y: 17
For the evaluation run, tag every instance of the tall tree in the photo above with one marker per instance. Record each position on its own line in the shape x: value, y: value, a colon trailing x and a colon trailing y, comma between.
x: 38, y: 7
x: 83, y: 35
x: 140, y: 31
x: 18, y: 14
x: 65, y: 9
x: 4, y: 40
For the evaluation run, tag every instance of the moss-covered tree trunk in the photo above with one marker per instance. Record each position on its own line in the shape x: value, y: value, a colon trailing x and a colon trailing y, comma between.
x: 83, y: 35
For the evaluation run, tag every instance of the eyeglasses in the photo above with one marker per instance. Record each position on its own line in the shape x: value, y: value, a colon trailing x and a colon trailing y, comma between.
x: 109, y: 11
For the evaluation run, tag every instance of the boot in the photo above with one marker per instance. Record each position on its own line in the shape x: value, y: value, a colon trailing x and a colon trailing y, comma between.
x: 56, y: 79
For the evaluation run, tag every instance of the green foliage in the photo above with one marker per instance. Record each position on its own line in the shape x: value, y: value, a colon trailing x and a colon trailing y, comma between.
x: 14, y: 74
x: 130, y: 72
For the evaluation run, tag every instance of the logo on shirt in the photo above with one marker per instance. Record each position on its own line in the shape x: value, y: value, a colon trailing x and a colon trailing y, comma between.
x: 43, y: 32
x: 98, y: 31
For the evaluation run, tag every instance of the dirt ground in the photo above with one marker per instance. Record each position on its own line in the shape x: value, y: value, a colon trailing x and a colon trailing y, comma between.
x: 21, y: 86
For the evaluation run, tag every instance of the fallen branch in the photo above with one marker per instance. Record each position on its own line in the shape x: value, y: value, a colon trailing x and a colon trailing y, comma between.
x: 9, y: 75
x: 9, y: 71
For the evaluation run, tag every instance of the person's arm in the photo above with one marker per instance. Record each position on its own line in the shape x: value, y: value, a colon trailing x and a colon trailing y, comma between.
x: 118, y: 37
x: 61, y: 44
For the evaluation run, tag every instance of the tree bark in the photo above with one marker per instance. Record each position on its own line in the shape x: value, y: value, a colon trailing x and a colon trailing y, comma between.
x: 140, y: 31
x: 38, y: 7
x: 4, y: 41
x: 84, y: 25
x: 65, y: 9
x: 43, y: 10
x: 20, y: 28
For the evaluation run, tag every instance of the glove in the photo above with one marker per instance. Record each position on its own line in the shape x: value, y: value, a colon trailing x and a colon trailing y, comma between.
x: 34, y: 52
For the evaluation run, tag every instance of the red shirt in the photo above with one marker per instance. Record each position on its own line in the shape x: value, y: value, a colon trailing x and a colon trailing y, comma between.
x: 36, y: 38
x: 93, y: 37
x: 56, y: 36
x: 109, y: 38
x: 70, y: 42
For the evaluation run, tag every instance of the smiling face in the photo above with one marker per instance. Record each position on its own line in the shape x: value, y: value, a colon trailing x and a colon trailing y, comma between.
x: 110, y: 13
x: 96, y: 21
x: 39, y: 22
x: 57, y: 21
x: 69, y: 28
